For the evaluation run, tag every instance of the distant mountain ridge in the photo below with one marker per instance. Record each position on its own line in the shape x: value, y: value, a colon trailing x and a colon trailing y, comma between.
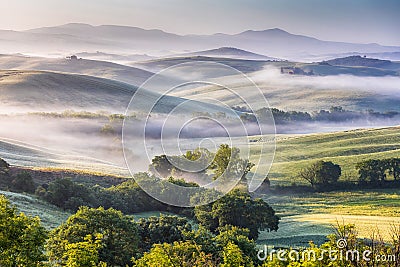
x: 131, y: 40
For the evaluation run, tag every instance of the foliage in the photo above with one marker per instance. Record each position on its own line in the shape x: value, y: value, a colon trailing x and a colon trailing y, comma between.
x: 163, y: 229
x: 119, y: 241
x: 22, y: 238
x: 183, y: 254
x: 233, y: 256
x: 67, y: 194
x: 238, y: 209
x: 85, y: 253
x: 321, y: 174
x: 227, y: 163
x: 374, y: 171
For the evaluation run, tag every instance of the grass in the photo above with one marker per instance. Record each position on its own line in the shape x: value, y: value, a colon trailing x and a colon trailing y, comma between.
x: 50, y: 216
x: 312, y: 216
x: 344, y: 148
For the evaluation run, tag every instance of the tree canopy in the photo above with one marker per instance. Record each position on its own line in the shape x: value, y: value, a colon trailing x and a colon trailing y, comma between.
x: 22, y: 238
x: 237, y: 208
x: 119, y: 235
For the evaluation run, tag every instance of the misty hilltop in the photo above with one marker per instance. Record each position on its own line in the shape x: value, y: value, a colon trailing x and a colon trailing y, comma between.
x: 125, y: 39
x: 229, y: 52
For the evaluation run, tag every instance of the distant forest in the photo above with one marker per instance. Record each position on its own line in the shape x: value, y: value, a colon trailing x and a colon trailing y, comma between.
x: 334, y: 114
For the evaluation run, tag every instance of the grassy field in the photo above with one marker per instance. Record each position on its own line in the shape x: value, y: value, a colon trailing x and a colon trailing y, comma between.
x: 50, y: 215
x: 312, y: 216
x: 344, y: 148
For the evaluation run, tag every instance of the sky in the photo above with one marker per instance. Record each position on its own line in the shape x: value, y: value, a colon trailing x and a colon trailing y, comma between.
x: 361, y: 21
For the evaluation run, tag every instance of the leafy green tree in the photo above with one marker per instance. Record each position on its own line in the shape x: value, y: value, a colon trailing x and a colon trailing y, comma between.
x: 233, y: 256
x: 372, y: 171
x: 321, y: 174
x: 238, y: 236
x: 227, y: 163
x: 182, y: 254
x: 22, y: 238
x: 237, y: 208
x: 120, y: 235
x: 85, y: 253
x: 163, y: 229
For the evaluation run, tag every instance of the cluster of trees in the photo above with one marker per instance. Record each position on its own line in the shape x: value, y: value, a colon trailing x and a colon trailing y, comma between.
x: 225, y: 163
x: 107, y: 237
x: 376, y: 171
x: 334, y: 114
x: 127, y: 197
x: 322, y: 175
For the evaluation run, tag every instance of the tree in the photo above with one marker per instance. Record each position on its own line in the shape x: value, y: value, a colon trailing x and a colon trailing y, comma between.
x: 372, y: 171
x: 163, y: 229
x: 85, y: 253
x: 227, y: 163
x: 118, y: 244
x: 22, y: 238
x: 238, y: 209
x: 239, y: 237
x: 233, y: 256
x: 183, y: 254
x: 321, y: 174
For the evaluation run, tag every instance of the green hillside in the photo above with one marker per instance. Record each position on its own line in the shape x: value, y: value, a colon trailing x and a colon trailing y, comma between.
x: 344, y: 148
x: 50, y: 215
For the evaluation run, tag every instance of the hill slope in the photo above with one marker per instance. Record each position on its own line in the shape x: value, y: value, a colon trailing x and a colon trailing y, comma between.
x: 229, y: 52
x: 28, y: 91
x: 95, y: 68
x: 344, y: 148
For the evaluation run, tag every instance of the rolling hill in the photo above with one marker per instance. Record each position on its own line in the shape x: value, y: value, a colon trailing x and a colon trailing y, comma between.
x: 95, y: 68
x: 31, y: 91
x: 228, y: 52
x: 358, y: 61
x: 243, y: 65
x: 344, y: 148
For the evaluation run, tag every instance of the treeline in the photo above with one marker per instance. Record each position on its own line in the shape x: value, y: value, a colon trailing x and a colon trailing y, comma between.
x: 372, y: 173
x: 334, y: 114
x: 127, y: 197
x: 377, y: 171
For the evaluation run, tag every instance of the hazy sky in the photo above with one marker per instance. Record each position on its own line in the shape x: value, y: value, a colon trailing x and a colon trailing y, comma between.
x: 363, y: 21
